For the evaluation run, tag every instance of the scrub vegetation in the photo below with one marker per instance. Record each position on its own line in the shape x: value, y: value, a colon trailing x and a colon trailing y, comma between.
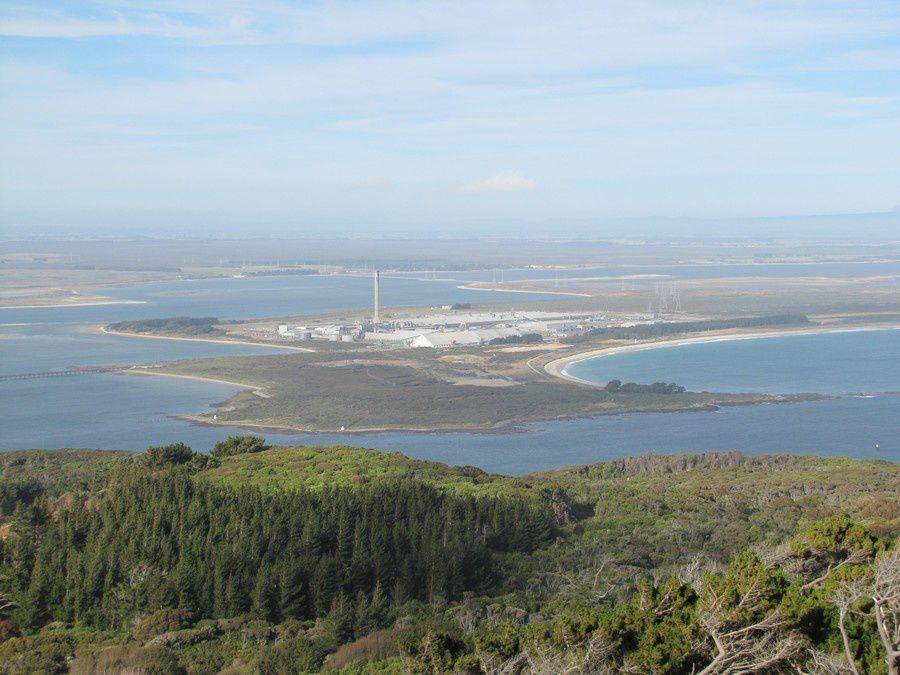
x: 296, y: 560
x: 178, y: 326
x: 420, y: 390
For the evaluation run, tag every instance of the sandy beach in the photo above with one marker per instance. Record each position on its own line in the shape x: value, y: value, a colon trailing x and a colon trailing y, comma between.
x: 222, y: 341
x: 558, y: 367
x: 257, y: 390
x: 282, y: 429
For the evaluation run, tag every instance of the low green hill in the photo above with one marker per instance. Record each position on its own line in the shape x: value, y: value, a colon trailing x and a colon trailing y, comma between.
x: 312, y: 467
x: 59, y: 467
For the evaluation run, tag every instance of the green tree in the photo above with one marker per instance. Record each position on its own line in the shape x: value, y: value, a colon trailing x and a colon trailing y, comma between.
x: 264, y: 598
x: 163, y: 456
x: 238, y: 445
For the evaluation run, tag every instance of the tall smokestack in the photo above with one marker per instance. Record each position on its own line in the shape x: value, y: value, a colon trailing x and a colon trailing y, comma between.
x: 377, y: 302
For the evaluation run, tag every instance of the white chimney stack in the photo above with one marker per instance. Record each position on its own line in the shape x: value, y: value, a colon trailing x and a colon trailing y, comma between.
x: 377, y: 302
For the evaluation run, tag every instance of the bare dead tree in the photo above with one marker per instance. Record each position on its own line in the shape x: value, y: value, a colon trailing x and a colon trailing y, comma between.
x: 846, y: 594
x: 585, y: 582
x: 6, y: 604
x: 661, y: 604
x: 592, y: 657
x: 821, y: 663
x: 470, y: 613
x: 886, y: 596
x: 816, y: 568
x: 691, y: 573
x: 854, y: 557
x: 745, y: 647
x: 491, y: 664
x: 546, y: 584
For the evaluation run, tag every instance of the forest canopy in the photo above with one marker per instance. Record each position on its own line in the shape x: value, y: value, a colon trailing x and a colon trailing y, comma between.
x: 706, y: 563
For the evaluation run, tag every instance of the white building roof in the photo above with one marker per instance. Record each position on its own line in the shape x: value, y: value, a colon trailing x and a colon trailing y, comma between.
x: 488, y: 334
x: 394, y: 335
x: 473, y: 318
x: 454, y: 338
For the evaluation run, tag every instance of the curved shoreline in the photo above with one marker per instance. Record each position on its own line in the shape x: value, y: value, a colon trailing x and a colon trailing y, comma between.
x: 255, y: 389
x: 558, y: 368
x: 511, y: 426
x: 107, y: 331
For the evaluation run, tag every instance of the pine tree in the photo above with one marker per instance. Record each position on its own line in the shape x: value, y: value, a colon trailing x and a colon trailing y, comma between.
x: 292, y: 599
x: 264, y: 599
x: 341, y: 618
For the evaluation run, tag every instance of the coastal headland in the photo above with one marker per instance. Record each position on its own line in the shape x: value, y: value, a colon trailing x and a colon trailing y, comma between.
x: 473, y: 389
x: 337, y: 372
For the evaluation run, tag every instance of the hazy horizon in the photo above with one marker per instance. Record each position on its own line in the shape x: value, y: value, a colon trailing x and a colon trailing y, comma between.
x: 845, y: 227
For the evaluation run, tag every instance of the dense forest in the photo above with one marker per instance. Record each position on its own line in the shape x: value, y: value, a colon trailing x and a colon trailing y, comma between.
x: 154, y: 563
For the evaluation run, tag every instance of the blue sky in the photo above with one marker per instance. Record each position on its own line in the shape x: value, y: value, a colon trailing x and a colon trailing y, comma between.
x: 420, y: 115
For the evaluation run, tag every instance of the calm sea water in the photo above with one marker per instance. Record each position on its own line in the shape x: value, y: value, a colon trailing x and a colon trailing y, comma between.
x: 117, y: 411
x: 865, y: 361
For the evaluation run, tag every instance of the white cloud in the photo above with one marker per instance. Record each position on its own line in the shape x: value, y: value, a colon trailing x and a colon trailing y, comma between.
x: 76, y: 28
x: 502, y: 182
x: 622, y: 106
x: 868, y: 59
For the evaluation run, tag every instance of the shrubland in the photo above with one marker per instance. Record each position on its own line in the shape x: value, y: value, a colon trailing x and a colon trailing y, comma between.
x: 177, y: 326
x: 293, y: 560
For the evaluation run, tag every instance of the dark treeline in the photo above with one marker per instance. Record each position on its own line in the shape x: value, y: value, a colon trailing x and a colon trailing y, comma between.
x: 168, y: 540
x: 181, y: 325
x: 20, y: 492
x: 652, y: 330
x: 616, y: 387
x: 527, y: 338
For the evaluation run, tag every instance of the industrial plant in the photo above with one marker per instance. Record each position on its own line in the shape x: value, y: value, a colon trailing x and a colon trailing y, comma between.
x: 447, y: 326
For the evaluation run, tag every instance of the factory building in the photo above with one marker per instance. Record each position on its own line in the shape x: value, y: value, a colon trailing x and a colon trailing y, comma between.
x: 451, y: 326
x: 442, y: 340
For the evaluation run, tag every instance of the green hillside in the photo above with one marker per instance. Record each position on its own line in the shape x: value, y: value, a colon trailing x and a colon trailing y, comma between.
x: 314, y: 468
x: 60, y: 467
x: 299, y: 559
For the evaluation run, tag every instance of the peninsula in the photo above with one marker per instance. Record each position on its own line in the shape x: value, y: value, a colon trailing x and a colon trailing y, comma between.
x: 489, y: 367
x: 473, y: 388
